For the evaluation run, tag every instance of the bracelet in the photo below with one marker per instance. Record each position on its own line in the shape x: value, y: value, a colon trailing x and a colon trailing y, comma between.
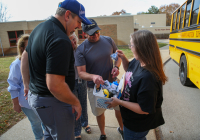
x: 117, y: 67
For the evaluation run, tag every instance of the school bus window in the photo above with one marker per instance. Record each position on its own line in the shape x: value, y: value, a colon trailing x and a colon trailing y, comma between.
x: 195, y: 12
x: 187, y: 12
x: 177, y: 19
x: 174, y: 21
x: 182, y: 16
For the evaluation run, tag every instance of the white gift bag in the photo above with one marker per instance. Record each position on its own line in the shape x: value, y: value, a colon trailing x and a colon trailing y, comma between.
x: 100, y: 99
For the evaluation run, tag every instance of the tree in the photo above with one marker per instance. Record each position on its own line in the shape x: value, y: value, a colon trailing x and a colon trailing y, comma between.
x: 153, y: 10
x: 168, y: 10
x: 118, y: 13
x: 4, y: 13
x: 140, y: 13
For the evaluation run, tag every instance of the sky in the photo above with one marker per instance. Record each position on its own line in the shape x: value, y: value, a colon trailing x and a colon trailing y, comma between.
x: 21, y: 10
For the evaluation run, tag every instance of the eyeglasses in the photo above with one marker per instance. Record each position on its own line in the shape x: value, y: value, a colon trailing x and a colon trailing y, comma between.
x: 95, y: 33
x: 129, y: 45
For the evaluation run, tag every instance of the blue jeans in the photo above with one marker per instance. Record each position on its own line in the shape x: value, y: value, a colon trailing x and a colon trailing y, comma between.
x: 132, y: 135
x: 80, y: 91
x: 56, y: 116
x: 35, y: 123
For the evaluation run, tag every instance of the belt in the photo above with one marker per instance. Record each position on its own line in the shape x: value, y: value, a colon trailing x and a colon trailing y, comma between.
x: 42, y: 95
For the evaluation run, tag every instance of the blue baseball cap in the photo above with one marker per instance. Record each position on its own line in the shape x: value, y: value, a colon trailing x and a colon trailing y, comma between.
x: 75, y: 7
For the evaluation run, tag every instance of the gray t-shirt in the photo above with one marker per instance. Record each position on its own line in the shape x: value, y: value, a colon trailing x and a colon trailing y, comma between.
x: 96, y: 57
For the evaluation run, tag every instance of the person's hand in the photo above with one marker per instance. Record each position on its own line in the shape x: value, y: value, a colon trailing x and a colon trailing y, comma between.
x: 115, y: 101
x: 26, y: 89
x: 98, y: 79
x: 17, y: 108
x: 115, y: 72
x: 78, y: 110
x: 121, y: 54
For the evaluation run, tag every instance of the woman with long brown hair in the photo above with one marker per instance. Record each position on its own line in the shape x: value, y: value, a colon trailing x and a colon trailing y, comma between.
x: 142, y: 97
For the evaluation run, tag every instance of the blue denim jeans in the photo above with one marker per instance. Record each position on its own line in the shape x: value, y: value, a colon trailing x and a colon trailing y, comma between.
x: 35, y: 123
x: 132, y: 135
x: 80, y: 91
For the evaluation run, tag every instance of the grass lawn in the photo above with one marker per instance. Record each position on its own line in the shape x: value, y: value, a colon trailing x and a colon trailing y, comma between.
x: 8, y: 117
x: 128, y: 53
x: 161, y: 44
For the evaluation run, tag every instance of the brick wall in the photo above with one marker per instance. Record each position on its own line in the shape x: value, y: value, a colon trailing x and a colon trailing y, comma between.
x: 109, y: 30
x: 8, y: 51
x: 106, y: 30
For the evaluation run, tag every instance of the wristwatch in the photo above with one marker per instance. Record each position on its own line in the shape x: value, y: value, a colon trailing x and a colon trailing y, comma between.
x: 117, y: 67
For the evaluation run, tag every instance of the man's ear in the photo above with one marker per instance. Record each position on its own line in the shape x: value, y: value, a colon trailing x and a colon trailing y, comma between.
x: 67, y: 15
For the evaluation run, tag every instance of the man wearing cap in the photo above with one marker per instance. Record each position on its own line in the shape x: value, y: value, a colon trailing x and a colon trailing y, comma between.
x: 49, y: 56
x: 95, y: 65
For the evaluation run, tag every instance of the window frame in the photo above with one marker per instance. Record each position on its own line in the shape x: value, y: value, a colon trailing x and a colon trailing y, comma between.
x: 16, y: 37
x: 83, y: 35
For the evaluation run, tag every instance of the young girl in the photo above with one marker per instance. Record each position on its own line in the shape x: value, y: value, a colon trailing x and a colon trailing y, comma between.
x: 16, y: 89
x: 142, y: 97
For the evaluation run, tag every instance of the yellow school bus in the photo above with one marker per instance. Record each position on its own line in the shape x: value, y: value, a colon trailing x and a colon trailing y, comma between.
x: 184, y: 42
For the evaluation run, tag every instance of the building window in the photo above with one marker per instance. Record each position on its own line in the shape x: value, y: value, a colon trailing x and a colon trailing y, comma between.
x: 153, y: 23
x: 81, y: 34
x: 13, y: 37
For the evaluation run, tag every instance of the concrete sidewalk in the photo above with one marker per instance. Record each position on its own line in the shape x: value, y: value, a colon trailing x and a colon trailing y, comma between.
x: 22, y: 130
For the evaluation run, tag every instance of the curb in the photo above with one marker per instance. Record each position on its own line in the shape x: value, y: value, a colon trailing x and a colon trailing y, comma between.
x: 167, y: 60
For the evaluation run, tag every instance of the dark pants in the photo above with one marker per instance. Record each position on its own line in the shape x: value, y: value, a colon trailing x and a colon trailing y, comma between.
x: 56, y: 116
x: 80, y: 90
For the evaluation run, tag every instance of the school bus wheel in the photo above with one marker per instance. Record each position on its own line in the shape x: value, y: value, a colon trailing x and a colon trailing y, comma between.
x: 183, y: 72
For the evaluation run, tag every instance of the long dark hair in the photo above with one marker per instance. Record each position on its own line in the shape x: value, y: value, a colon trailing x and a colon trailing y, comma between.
x: 147, y: 49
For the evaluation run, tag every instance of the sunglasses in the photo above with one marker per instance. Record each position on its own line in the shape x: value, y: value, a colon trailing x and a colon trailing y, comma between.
x: 95, y: 33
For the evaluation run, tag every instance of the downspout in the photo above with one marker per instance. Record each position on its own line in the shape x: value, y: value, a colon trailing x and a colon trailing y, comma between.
x: 1, y: 47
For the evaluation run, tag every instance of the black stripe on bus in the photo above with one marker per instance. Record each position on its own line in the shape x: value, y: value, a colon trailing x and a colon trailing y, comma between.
x: 171, y: 45
x: 188, y: 40
x: 190, y: 51
x: 194, y: 27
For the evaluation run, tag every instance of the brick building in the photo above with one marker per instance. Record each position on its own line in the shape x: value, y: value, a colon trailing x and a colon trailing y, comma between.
x: 118, y: 27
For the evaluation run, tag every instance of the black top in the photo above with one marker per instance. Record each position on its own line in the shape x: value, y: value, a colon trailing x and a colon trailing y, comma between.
x: 142, y: 87
x: 49, y: 52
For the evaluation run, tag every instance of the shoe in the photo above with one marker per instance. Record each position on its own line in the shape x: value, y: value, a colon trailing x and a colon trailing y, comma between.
x: 87, y: 129
x: 78, y: 138
x: 121, y: 133
x: 102, y: 137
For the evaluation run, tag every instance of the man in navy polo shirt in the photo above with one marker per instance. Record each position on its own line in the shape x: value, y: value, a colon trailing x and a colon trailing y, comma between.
x: 49, y: 56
